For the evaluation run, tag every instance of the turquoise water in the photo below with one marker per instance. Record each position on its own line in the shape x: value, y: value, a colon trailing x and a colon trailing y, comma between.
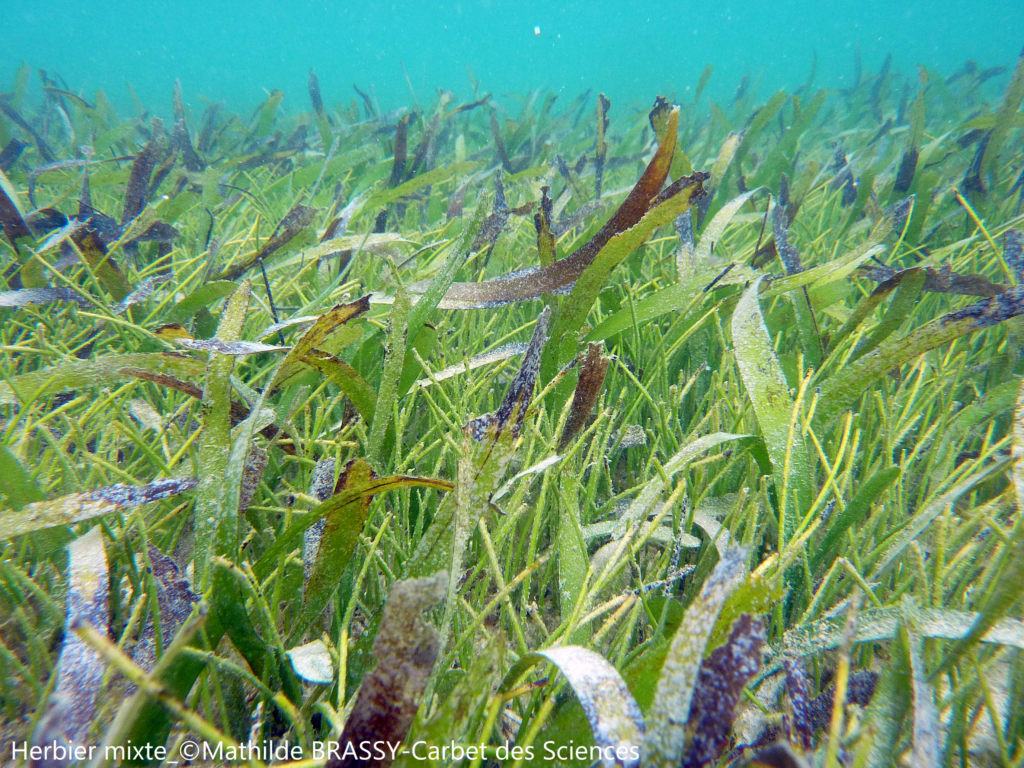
x: 235, y: 49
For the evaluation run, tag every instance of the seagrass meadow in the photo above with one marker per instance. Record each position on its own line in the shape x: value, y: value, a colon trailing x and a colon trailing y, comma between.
x: 519, y: 430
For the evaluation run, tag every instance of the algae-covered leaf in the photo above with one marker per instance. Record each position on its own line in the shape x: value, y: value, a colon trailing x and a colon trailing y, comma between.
x: 80, y: 668
x: 438, y: 288
x: 291, y: 537
x: 312, y: 662
x: 338, y: 540
x: 216, y: 529
x: 892, y: 702
x: 537, y: 468
x: 141, y: 293
x: 572, y: 556
x: 296, y: 220
x: 394, y: 359
x: 29, y: 296
x: 504, y: 352
x: 720, y: 683
x: 842, y: 389
x: 882, y: 624
x: 231, y: 348
x: 614, y: 716
x: 405, y: 648
x: 667, y: 718
x: 314, y: 337
x: 102, y: 371
x: 175, y: 600
x: 766, y: 386
x: 88, y: 504
x: 926, y: 749
x: 899, y: 541
x: 1005, y: 592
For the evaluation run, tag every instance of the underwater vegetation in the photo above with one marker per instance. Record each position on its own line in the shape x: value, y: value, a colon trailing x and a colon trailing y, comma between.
x: 576, y: 433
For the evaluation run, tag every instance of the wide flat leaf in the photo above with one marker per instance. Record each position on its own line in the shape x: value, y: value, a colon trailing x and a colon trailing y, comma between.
x: 769, y: 393
x: 667, y: 718
x: 614, y: 716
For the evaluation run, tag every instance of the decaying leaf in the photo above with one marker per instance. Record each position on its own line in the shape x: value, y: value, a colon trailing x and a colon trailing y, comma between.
x: 175, y: 599
x: 943, y: 280
x: 80, y: 668
x: 517, y: 399
x: 88, y: 504
x: 337, y: 541
x: 94, y: 252
x: 296, y: 220
x: 527, y: 285
x: 588, y: 387
x: 252, y: 473
x: 603, y: 105
x: 142, y: 169
x: 667, y: 718
x: 28, y: 296
x: 406, y: 648
x: 723, y: 675
x: 798, y: 688
x: 495, y: 223
x: 317, y: 338
x: 1013, y: 251
x: 320, y: 488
